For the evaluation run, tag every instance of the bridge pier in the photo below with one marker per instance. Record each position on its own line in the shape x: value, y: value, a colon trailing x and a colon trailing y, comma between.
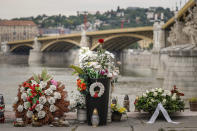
x: 159, y: 43
x: 4, y: 48
x: 35, y: 55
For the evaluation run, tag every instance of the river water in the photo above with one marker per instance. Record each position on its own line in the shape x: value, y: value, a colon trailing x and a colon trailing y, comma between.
x: 13, y: 75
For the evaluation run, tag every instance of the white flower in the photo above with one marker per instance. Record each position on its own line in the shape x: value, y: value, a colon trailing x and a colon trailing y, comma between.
x: 28, y: 91
x: 22, y: 89
x: 15, y: 100
x: 33, y: 82
x: 42, y: 100
x: 29, y: 114
x: 110, y: 54
x: 39, y: 107
x: 147, y: 91
x: 152, y: 90
x: 41, y: 114
x: 57, y: 95
x: 152, y: 100
x: 42, y: 84
x: 20, y: 108
x: 109, y: 74
x: 167, y: 92
x: 48, y: 92
x: 174, y: 97
x: 97, y: 66
x: 164, y: 101
x: 26, y: 105
x: 51, y: 100
x: 144, y: 95
x: 163, y: 94
x: 160, y: 90
x: 24, y: 96
x: 155, y: 94
x: 53, y: 87
x: 52, y: 108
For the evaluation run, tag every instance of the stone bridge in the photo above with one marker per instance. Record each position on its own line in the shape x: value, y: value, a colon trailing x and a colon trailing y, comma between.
x: 115, y: 40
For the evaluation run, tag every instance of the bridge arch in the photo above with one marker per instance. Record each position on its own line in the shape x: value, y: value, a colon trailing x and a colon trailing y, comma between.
x: 59, y: 45
x: 21, y: 48
x: 119, y: 42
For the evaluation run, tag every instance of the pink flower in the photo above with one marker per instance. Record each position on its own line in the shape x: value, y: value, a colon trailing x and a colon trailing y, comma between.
x: 102, y: 72
x: 54, y: 82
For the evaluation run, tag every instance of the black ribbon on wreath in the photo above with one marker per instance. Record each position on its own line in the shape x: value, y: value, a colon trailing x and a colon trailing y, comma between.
x: 98, y: 100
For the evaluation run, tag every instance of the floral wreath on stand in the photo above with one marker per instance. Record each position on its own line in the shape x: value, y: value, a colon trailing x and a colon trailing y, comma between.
x: 97, y: 93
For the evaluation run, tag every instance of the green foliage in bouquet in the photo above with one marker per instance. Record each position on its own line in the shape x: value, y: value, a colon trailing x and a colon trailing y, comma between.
x: 171, y: 100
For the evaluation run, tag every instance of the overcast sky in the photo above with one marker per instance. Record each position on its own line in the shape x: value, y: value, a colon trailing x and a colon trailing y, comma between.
x: 22, y: 8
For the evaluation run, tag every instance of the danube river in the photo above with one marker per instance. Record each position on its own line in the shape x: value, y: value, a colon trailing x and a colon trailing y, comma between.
x: 13, y: 75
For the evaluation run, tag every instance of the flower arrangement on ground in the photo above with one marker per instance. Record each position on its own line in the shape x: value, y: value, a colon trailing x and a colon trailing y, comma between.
x: 40, y: 98
x: 171, y: 100
x: 77, y: 100
x: 118, y: 108
x: 117, y: 111
x: 95, y: 71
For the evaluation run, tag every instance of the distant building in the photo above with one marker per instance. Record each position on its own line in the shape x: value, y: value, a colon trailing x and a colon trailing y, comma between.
x: 150, y: 15
x: 152, y: 9
x: 133, y: 8
x: 12, y: 30
x: 120, y: 14
x: 53, y: 31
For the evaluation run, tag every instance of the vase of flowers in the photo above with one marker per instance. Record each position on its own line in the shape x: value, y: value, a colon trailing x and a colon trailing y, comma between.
x: 171, y: 100
x: 117, y: 111
x: 81, y: 115
x: 95, y: 70
x: 78, y: 102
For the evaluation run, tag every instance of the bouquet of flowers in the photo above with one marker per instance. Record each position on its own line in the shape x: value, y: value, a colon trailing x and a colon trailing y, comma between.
x: 118, y: 108
x: 95, y: 64
x: 171, y: 100
x: 42, y: 97
x: 77, y: 101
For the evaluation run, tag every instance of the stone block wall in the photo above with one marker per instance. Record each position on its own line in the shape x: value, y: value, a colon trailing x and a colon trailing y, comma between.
x: 136, y: 63
x: 181, y: 70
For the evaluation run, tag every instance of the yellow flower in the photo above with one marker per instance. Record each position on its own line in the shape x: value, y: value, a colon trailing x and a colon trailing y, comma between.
x: 122, y: 110
x: 112, y: 106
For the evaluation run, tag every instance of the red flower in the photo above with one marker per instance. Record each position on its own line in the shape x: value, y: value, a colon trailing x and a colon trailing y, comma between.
x: 30, y: 109
x: 101, y: 41
x: 96, y: 95
x: 181, y: 94
x: 135, y: 101
x: 78, y: 82
x: 34, y: 106
x: 83, y: 86
x: 25, y: 84
x: 37, y: 102
x: 28, y: 99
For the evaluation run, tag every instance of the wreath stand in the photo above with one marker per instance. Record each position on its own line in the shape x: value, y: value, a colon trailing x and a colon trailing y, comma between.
x: 98, y: 98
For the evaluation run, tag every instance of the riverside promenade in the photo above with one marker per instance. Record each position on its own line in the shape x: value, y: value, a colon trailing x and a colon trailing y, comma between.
x: 134, y: 122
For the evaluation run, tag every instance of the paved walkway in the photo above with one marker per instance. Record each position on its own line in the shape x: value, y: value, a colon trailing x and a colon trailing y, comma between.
x: 134, y: 122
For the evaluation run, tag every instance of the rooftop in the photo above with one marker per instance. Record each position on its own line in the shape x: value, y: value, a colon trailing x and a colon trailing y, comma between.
x: 17, y: 23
